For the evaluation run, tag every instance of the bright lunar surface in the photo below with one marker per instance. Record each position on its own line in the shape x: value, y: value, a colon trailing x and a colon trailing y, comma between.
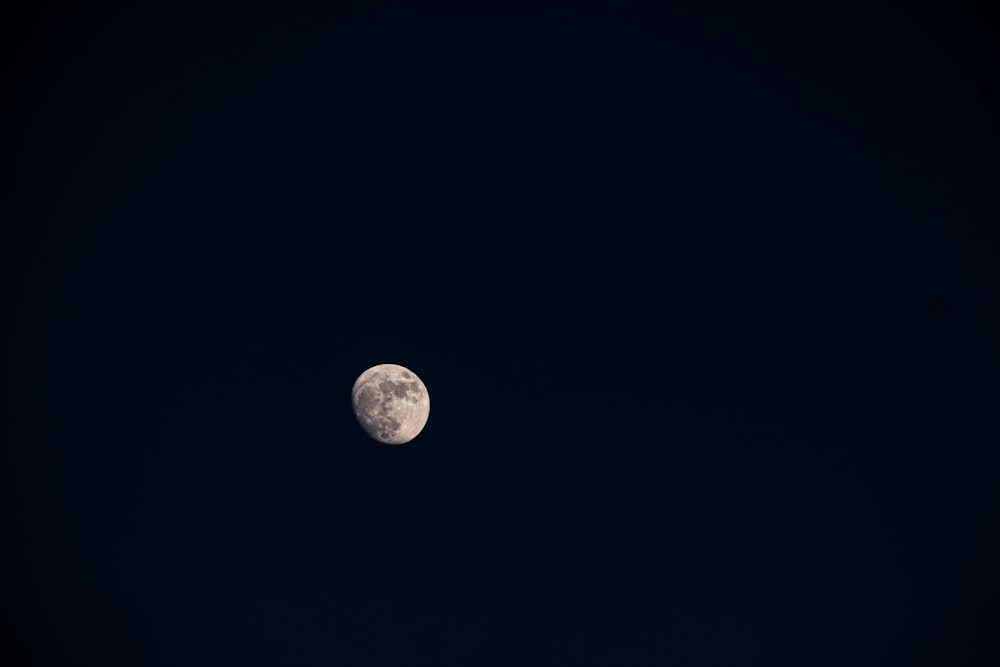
x: 391, y: 403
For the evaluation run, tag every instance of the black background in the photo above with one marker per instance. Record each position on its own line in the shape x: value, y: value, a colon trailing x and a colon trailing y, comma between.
x: 703, y: 297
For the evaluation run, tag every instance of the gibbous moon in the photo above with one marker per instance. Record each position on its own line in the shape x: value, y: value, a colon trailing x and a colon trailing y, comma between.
x: 391, y: 403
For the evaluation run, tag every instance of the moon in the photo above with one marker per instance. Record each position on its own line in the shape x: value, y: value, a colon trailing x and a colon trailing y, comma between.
x: 391, y: 403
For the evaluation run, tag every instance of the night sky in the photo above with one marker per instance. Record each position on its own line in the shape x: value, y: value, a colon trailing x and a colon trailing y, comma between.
x: 704, y: 298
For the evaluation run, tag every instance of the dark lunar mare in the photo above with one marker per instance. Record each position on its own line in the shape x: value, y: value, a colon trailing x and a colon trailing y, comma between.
x: 373, y: 406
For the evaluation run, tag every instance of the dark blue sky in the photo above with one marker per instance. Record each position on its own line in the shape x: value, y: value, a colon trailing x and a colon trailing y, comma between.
x: 704, y: 299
